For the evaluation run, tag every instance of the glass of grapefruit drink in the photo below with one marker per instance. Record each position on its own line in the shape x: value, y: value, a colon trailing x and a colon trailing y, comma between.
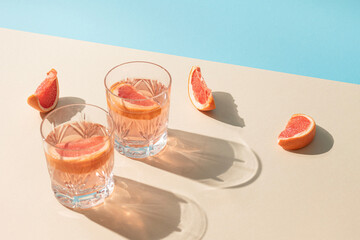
x: 78, y: 142
x: 138, y: 99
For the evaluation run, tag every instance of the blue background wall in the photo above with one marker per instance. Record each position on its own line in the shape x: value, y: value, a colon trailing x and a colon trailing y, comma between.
x: 318, y: 38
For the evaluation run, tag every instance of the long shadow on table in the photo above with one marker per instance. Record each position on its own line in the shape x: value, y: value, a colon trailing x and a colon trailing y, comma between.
x: 211, y: 161
x: 322, y: 143
x: 226, y: 110
x: 63, y: 101
x: 142, y: 212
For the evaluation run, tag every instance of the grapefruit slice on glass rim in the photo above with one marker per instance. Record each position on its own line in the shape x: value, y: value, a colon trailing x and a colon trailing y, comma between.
x: 298, y: 133
x: 46, y: 95
x: 200, y: 95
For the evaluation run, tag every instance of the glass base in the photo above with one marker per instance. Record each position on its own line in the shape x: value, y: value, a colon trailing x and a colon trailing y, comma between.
x: 141, y: 152
x: 87, y: 200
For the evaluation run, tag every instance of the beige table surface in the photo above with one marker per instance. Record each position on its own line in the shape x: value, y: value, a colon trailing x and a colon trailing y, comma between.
x: 222, y: 176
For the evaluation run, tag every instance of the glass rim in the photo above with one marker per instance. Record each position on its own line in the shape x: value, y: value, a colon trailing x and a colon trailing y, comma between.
x: 139, y: 100
x: 111, y: 132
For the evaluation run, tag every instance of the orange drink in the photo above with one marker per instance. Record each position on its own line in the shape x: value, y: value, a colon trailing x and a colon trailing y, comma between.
x: 138, y: 99
x: 79, y: 149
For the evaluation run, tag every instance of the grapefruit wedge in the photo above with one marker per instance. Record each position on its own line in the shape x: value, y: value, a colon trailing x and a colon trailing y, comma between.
x: 80, y: 156
x: 80, y: 147
x: 200, y: 95
x: 131, y: 103
x: 129, y: 92
x: 298, y: 133
x: 46, y: 95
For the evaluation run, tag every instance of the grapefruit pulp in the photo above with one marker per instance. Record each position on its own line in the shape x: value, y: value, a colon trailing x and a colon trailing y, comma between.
x: 200, y: 95
x: 298, y: 133
x: 46, y: 95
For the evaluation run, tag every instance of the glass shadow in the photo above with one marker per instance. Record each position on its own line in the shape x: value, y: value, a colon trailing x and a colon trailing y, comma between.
x: 63, y: 101
x: 141, y: 212
x: 211, y: 161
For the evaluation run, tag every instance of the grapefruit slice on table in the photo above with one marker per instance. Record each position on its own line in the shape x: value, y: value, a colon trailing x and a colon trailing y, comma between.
x: 298, y: 133
x: 46, y: 95
x: 132, y: 103
x: 200, y: 95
